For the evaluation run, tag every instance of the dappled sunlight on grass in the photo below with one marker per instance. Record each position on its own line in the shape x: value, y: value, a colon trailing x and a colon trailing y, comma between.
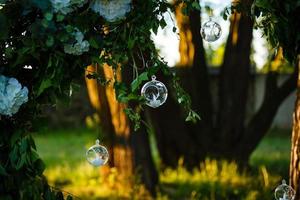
x: 67, y: 169
x: 217, y: 180
x: 88, y: 182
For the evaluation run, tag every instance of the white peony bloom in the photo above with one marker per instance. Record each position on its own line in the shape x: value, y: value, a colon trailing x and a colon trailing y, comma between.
x: 66, y: 6
x: 79, y: 47
x: 12, y: 95
x: 111, y: 10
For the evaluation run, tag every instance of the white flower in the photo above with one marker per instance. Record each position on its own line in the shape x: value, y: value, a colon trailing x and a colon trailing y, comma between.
x: 66, y: 6
x: 79, y: 47
x: 12, y: 95
x: 111, y: 10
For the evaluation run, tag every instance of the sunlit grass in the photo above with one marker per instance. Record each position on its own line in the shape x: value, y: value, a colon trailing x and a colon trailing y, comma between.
x: 215, y: 180
x: 67, y: 169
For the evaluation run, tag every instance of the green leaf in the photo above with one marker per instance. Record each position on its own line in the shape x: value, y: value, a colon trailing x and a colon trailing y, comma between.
x: 130, y: 43
x: 69, y: 28
x: 3, y: 171
x: 95, y: 42
x: 60, y: 17
x: 196, y: 5
x: 193, y: 117
x: 137, y: 82
x: 162, y: 23
x: 69, y: 197
x: 21, y: 162
x: 13, y: 155
x: 46, y: 83
x: 174, y: 29
x: 49, y: 16
x: 39, y: 166
x: 50, y: 41
x: 24, y: 145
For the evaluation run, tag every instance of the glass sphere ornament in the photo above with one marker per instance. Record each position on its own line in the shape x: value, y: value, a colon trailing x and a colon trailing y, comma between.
x: 284, y: 192
x: 97, y: 155
x: 155, y: 93
x: 211, y: 31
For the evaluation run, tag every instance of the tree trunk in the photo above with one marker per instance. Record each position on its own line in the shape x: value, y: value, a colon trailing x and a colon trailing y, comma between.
x: 130, y: 150
x: 295, y: 151
x: 234, y: 83
x: 175, y: 138
x: 99, y: 101
x: 262, y: 120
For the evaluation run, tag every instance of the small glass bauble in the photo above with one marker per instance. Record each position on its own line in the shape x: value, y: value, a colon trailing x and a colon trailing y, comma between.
x: 211, y: 31
x: 97, y: 155
x: 284, y: 192
x: 155, y: 93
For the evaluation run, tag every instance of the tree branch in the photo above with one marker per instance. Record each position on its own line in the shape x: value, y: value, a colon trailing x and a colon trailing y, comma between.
x: 262, y: 120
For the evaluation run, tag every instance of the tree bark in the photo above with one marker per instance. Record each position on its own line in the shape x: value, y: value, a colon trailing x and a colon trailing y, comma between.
x: 130, y: 151
x: 263, y: 118
x: 295, y: 151
x: 175, y: 138
x: 234, y: 82
x: 99, y: 101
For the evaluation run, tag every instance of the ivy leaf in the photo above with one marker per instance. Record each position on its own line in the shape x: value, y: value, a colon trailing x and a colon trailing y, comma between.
x: 137, y: 82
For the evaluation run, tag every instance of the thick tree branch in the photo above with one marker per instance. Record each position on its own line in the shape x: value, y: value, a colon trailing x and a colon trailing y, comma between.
x: 234, y: 80
x: 262, y: 120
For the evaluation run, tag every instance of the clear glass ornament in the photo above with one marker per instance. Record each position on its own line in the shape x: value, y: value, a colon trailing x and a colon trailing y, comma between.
x: 211, y: 31
x: 97, y: 155
x: 284, y: 192
x: 155, y: 93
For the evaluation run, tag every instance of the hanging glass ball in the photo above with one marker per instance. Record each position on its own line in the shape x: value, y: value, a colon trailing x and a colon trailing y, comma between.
x: 155, y: 93
x: 211, y: 31
x: 97, y: 155
x: 284, y: 192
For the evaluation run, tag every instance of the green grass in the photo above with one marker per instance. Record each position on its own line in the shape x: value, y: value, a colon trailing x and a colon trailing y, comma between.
x: 274, y: 153
x: 64, y: 147
x: 64, y: 154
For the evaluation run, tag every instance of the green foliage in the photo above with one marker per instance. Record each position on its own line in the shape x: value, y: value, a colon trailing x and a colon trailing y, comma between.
x: 279, y: 21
